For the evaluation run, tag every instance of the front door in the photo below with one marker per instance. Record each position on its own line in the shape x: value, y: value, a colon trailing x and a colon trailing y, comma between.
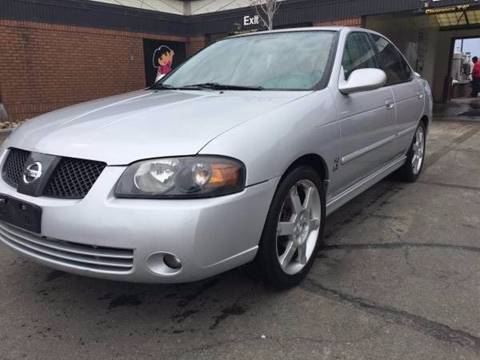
x: 367, y: 119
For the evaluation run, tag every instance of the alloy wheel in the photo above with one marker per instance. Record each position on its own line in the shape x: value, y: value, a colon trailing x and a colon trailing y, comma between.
x: 418, y: 150
x: 298, y: 226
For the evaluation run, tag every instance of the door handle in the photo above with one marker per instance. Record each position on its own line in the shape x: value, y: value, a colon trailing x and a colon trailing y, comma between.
x: 389, y: 105
x: 420, y: 95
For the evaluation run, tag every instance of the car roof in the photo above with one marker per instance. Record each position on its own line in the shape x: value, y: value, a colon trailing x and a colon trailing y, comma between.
x: 302, y: 29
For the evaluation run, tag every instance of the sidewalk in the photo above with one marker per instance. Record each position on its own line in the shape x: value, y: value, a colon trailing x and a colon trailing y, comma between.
x: 461, y: 109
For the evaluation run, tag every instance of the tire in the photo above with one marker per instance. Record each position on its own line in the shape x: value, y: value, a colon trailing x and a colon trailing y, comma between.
x: 411, y: 170
x: 293, y: 230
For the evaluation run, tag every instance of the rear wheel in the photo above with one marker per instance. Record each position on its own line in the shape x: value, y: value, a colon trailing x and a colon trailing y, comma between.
x: 293, y: 231
x: 413, y: 167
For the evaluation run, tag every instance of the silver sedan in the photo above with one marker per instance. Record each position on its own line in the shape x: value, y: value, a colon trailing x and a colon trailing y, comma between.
x: 235, y: 157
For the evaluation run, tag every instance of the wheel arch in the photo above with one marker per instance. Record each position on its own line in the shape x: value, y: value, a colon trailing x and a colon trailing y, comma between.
x: 426, y: 122
x: 315, y: 161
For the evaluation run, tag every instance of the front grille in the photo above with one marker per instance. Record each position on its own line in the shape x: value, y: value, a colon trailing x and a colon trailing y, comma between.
x: 100, y: 259
x: 73, y: 178
x: 14, y: 165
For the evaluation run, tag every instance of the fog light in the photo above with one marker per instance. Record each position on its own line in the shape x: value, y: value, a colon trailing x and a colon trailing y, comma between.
x: 172, y: 261
x: 164, y: 264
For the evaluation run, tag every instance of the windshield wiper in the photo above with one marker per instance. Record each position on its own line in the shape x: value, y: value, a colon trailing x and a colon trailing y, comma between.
x: 208, y: 85
x: 160, y: 86
x: 217, y: 86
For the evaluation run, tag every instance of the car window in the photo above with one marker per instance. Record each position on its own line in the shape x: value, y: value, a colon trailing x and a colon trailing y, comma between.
x: 391, y: 61
x: 358, y: 53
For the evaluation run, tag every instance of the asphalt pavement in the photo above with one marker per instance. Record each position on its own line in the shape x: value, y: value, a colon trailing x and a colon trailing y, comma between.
x: 398, y: 279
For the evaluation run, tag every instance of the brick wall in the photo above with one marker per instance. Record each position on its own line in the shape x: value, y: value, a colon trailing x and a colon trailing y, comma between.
x: 356, y: 22
x: 195, y: 44
x: 44, y: 66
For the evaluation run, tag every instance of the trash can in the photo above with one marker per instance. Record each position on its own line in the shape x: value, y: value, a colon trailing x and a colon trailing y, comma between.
x: 461, y: 89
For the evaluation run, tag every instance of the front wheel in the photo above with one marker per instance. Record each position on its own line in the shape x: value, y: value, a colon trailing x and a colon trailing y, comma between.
x: 293, y: 231
x: 413, y: 166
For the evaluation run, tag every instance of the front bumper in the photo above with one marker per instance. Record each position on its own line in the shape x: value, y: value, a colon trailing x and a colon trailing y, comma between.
x: 110, y: 238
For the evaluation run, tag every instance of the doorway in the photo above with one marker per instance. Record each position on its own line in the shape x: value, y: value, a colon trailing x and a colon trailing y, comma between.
x: 464, y: 49
x: 428, y: 42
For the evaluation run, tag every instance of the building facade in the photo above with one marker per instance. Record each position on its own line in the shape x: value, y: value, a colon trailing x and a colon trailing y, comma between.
x: 55, y: 53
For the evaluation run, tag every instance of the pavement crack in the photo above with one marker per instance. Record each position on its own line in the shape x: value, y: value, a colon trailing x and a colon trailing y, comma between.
x: 398, y: 245
x: 453, y: 186
x: 418, y: 323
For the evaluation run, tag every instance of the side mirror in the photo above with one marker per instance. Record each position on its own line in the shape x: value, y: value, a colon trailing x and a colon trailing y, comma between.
x: 363, y: 80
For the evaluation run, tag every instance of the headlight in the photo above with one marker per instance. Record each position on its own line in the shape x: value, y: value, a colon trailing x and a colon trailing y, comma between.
x: 183, y: 177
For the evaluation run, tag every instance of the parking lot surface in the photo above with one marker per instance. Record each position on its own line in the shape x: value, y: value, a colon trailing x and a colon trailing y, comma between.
x: 399, y: 279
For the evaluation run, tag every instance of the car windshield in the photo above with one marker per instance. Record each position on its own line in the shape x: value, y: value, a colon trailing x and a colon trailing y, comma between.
x: 275, y: 61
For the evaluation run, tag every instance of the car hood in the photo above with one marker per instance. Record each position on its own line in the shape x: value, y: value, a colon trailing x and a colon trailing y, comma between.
x: 144, y: 124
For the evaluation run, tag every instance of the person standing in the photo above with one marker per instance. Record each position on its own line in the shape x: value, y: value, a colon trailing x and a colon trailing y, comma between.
x: 475, y: 77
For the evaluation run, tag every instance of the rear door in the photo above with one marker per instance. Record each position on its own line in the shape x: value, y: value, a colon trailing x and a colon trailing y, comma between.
x: 367, y: 119
x: 407, y: 91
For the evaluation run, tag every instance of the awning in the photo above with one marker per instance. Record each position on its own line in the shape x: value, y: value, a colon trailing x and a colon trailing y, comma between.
x: 461, y: 15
